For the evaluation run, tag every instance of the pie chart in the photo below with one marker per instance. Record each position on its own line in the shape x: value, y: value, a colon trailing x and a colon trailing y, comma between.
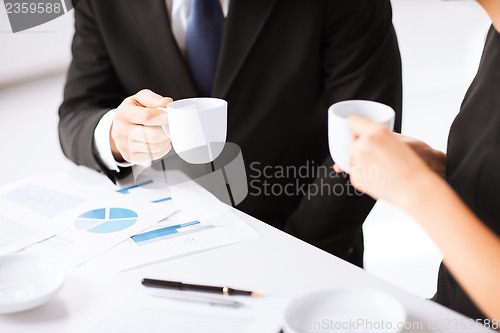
x: 106, y: 220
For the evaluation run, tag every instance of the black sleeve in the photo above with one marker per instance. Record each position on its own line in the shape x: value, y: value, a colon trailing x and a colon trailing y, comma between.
x: 361, y: 54
x: 361, y: 61
x: 91, y: 90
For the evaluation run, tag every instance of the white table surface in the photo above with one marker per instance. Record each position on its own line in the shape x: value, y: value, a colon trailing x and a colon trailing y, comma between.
x: 276, y: 264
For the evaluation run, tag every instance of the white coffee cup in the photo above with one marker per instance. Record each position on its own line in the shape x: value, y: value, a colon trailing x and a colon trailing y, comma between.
x: 197, y: 128
x: 336, y: 310
x: 339, y: 135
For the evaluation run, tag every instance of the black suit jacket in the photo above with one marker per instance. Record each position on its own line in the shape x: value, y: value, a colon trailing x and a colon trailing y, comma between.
x: 282, y: 64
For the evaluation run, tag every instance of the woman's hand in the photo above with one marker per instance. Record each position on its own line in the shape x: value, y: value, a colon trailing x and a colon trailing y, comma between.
x: 383, y: 166
x: 435, y: 159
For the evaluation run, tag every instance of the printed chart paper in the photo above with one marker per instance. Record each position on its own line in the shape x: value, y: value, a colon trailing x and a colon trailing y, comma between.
x: 76, y: 221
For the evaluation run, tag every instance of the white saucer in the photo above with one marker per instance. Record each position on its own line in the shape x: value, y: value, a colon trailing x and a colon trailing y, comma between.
x: 345, y: 310
x: 27, y: 281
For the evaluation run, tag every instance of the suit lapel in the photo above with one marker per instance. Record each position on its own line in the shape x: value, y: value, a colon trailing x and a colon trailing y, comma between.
x: 153, y: 21
x: 243, y: 25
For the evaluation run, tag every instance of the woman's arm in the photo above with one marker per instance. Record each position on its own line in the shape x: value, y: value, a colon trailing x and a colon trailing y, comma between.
x: 385, y: 168
x: 471, y: 251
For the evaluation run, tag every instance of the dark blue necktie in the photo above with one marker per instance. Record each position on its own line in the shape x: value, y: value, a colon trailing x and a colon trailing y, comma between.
x: 203, y: 39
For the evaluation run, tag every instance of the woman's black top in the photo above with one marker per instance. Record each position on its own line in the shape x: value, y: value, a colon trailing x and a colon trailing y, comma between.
x: 473, y: 163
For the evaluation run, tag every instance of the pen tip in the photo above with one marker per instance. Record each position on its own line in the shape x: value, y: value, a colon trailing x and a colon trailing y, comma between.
x: 255, y: 294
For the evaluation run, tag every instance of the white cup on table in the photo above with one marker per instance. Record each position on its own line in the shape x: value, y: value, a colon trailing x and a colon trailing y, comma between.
x: 345, y: 311
x: 339, y: 135
x: 197, y: 128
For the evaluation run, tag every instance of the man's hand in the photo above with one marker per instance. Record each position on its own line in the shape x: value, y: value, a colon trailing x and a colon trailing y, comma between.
x: 136, y: 134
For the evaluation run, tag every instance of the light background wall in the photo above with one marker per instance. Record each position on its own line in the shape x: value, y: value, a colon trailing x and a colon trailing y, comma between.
x: 441, y: 44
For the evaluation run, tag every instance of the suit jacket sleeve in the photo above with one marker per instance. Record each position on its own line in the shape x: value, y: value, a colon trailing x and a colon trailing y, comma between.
x: 361, y: 54
x: 361, y: 60
x: 91, y: 90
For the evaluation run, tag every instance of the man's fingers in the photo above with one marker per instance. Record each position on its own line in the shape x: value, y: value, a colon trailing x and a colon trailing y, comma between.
x: 139, y: 157
x: 149, y: 99
x: 150, y: 148
x: 148, y: 134
x: 145, y: 116
x: 143, y: 109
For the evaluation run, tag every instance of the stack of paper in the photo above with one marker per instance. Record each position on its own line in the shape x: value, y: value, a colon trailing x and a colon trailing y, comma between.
x: 77, y: 216
x: 77, y: 221
x: 199, y: 222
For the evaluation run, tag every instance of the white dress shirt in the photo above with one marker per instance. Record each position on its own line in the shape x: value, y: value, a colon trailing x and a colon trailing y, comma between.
x: 178, y: 11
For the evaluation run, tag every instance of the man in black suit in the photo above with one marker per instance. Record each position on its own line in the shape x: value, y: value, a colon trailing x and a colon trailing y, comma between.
x: 281, y: 64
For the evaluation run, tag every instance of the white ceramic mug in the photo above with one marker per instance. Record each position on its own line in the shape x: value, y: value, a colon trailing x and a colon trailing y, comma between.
x: 197, y: 128
x: 337, y: 310
x: 339, y: 134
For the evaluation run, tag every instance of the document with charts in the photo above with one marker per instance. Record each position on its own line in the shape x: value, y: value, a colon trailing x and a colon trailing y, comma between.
x: 75, y: 221
x: 200, y: 222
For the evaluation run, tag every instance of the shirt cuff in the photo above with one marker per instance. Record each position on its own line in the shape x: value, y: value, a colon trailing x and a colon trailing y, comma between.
x: 102, y: 144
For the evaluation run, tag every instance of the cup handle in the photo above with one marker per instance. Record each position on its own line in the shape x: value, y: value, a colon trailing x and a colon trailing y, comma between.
x: 166, y: 129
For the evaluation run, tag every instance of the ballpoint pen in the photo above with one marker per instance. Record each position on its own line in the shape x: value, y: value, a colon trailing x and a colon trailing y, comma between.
x: 174, y: 285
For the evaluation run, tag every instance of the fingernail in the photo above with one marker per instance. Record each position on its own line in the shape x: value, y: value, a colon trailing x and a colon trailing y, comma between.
x: 165, y: 100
